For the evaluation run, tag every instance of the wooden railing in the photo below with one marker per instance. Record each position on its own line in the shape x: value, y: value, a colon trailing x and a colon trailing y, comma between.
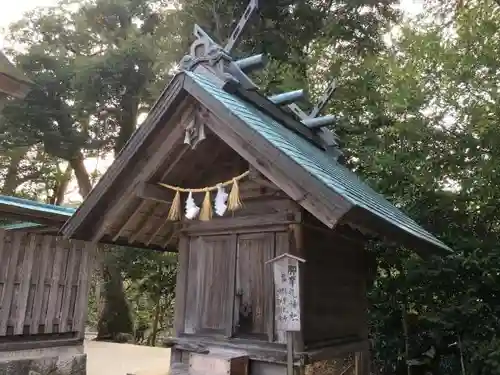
x: 43, y: 284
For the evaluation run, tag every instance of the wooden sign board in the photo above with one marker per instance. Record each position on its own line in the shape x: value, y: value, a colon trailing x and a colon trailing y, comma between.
x: 287, y: 291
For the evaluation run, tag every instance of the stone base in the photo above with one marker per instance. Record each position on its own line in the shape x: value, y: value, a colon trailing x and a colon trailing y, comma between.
x: 65, y: 361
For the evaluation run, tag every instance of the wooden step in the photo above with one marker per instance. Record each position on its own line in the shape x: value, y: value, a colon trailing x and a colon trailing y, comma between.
x: 219, y: 362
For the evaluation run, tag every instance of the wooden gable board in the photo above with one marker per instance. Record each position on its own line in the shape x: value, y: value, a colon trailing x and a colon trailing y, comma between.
x: 89, y: 212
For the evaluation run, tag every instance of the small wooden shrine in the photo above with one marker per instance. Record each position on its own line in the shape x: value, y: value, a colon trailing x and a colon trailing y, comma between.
x: 231, y: 180
x: 44, y: 282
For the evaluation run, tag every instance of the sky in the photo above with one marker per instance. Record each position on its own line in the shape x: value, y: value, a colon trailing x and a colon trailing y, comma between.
x: 15, y: 10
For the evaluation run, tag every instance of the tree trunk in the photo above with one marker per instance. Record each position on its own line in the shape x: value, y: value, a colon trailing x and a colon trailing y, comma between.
x: 115, y: 318
x: 156, y: 321
x: 81, y: 174
x: 12, y: 176
x: 63, y: 186
x: 128, y: 120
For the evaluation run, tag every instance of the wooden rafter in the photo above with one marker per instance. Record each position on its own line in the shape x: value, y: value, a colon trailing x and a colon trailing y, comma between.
x: 159, y: 228
x: 153, y: 192
x: 130, y: 219
x: 142, y: 224
x: 127, y: 162
x: 175, y: 135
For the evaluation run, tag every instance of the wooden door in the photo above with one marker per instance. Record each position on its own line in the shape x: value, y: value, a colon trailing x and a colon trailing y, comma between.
x: 253, y: 311
x: 210, y: 287
x: 230, y: 290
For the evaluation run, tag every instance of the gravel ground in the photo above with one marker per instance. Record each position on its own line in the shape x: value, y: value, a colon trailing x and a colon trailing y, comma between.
x: 105, y: 358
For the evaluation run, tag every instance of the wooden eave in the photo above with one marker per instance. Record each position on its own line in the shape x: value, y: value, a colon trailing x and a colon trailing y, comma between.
x: 53, y: 220
x: 122, y: 188
x: 127, y: 193
x: 115, y: 185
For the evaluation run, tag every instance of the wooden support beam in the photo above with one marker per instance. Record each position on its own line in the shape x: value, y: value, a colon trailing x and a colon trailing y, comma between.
x: 154, y: 192
x: 129, y: 161
x: 174, y: 233
x: 174, y: 136
x: 143, y: 224
x: 129, y: 220
x: 159, y: 228
x: 260, y: 179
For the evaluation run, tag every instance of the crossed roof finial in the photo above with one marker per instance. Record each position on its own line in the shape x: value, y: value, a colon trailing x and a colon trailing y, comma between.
x: 205, y: 54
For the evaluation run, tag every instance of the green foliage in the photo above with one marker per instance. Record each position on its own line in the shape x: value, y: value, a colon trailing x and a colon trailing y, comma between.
x: 418, y: 119
x: 115, y: 319
x: 150, y: 280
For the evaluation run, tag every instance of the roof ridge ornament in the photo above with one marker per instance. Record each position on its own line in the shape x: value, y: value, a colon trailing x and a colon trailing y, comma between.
x: 319, y: 123
x: 208, y: 58
x: 217, y: 59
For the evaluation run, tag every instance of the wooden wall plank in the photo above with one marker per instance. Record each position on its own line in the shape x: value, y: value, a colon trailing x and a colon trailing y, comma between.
x: 68, y: 284
x: 35, y: 274
x: 181, y: 285
x: 334, y: 285
x: 54, y: 287
x: 75, y: 285
x: 254, y: 282
x: 44, y: 284
x: 89, y: 253
x: 17, y: 238
x: 4, y: 256
x: 231, y: 260
x: 27, y: 267
x: 45, y: 249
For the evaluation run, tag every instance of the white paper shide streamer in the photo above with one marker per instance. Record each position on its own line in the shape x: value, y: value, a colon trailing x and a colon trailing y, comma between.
x: 221, y: 201
x: 192, y: 210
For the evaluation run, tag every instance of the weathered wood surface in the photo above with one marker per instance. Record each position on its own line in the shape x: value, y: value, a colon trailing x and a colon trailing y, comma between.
x: 43, y: 284
x: 334, y: 283
x: 254, y: 288
x: 287, y: 292
x: 218, y: 363
x: 209, y: 302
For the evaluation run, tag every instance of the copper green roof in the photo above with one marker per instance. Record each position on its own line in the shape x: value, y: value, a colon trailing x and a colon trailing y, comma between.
x: 317, y: 162
x: 32, y: 213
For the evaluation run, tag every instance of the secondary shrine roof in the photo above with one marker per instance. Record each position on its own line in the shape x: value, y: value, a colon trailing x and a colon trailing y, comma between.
x: 32, y: 215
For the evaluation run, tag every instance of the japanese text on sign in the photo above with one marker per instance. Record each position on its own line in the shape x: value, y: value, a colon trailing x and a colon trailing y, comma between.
x: 286, y: 280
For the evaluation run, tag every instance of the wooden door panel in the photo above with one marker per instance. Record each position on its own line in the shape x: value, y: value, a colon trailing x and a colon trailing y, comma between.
x: 254, y: 285
x: 210, y: 290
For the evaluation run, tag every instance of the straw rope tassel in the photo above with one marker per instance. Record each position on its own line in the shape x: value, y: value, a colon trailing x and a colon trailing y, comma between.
x: 174, y: 214
x: 206, y: 208
x: 234, y: 202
